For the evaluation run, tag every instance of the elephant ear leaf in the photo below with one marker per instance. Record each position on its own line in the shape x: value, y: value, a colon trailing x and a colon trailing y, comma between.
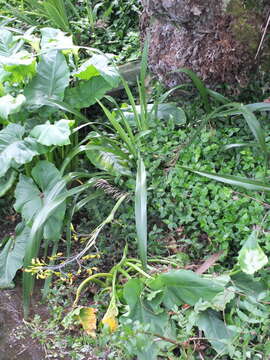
x: 53, y: 134
x: 14, y: 150
x: 11, y: 256
x: 32, y: 196
x: 10, y: 105
x: 98, y: 65
x: 50, y: 82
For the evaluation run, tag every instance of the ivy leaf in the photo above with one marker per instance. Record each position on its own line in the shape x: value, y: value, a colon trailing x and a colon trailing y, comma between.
x: 185, y: 287
x: 10, y: 105
x: 11, y: 257
x: 30, y: 198
x: 51, y: 80
x: 99, y: 65
x: 53, y: 134
x: 251, y: 257
x: 14, y: 150
x: 87, y: 93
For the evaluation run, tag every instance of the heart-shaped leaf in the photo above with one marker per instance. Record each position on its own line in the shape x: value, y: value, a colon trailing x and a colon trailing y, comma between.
x: 251, y: 257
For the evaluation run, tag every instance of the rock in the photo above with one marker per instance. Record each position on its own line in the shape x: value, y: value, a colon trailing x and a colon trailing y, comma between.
x: 217, y: 39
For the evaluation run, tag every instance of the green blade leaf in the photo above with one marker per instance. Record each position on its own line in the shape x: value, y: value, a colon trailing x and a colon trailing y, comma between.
x: 141, y: 211
x: 53, y: 134
x: 234, y: 180
x: 11, y: 257
x: 50, y: 82
x: 251, y: 257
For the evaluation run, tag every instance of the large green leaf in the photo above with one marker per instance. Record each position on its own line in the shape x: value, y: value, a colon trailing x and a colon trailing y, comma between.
x: 51, y: 80
x: 11, y: 257
x: 99, y: 65
x: 251, y: 257
x: 53, y: 134
x: 10, y: 105
x: 87, y: 93
x: 14, y: 150
x: 106, y: 156
x: 20, y: 66
x: 7, y: 42
x: 7, y: 181
x: 218, y: 334
x: 141, y: 211
x: 30, y: 198
x: 140, y: 309
x: 185, y: 287
x: 254, y: 288
x: 55, y: 38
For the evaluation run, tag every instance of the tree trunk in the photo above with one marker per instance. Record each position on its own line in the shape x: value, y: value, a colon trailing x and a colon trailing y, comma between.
x: 217, y: 39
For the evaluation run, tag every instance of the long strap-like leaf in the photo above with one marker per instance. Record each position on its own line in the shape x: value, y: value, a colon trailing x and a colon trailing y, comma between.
x: 141, y: 211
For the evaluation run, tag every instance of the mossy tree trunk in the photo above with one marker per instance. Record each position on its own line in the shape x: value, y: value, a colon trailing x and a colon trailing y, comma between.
x: 218, y: 39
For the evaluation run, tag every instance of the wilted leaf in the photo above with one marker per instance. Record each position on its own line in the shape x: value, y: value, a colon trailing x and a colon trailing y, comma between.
x: 110, y: 318
x: 87, y: 317
x: 251, y: 257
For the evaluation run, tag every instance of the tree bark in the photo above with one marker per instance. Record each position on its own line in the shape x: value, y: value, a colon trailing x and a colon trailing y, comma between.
x: 217, y: 39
